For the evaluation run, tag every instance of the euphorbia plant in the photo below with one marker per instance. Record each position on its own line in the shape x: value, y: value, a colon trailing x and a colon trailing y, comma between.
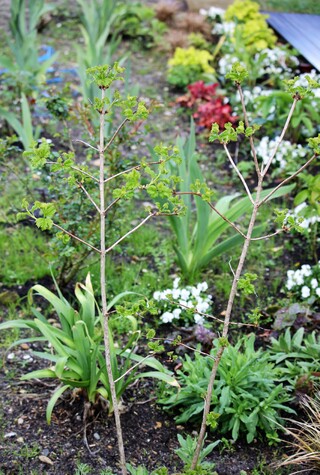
x: 79, y: 176
x: 257, y: 199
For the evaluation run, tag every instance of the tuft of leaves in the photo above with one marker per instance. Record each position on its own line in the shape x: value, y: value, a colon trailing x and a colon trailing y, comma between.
x: 38, y: 153
x: 104, y: 76
x: 238, y: 73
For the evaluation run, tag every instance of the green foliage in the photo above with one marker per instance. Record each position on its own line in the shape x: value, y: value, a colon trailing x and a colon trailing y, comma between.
x: 23, y: 127
x: 187, y: 449
x: 296, y: 355
x: 22, y: 64
x: 58, y: 106
x: 82, y: 469
x: 231, y: 133
x: 245, y: 283
x: 251, y: 25
x: 242, y: 10
x: 188, y: 66
x: 246, y: 393
x: 138, y: 23
x: 38, y: 153
x: 314, y: 144
x: 105, y: 76
x: 25, y: 255
x: 273, y: 108
x: 199, y: 239
x: 298, y: 6
x: 77, y: 350
x: 238, y: 73
x: 287, y: 221
x: 98, y: 19
x: 299, y: 91
x: 142, y: 470
x: 47, y: 211
x: 310, y: 194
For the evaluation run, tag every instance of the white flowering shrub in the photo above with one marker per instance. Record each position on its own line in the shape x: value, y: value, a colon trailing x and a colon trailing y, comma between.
x: 273, y: 62
x: 213, y: 13
x: 288, y: 153
x: 302, y: 81
x: 183, y: 304
x: 305, y: 282
x: 308, y: 214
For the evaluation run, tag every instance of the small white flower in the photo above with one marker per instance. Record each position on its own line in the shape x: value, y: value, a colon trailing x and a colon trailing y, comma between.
x: 195, y: 291
x: 306, y: 270
x: 184, y: 293
x: 157, y: 295
x: 199, y: 320
x: 314, y: 283
x: 165, y: 293
x: 183, y: 303
x: 299, y: 278
x: 305, y: 292
x: 175, y: 294
x: 167, y: 317
x: 176, y: 282
x: 202, y: 307
x: 318, y: 291
x: 176, y: 312
x: 202, y: 287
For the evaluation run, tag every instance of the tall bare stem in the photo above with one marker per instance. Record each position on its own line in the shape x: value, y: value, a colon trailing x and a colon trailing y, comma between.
x: 103, y: 292
x: 257, y: 202
x: 226, y: 325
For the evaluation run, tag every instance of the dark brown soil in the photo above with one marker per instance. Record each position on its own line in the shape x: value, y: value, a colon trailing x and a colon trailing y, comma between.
x: 28, y: 445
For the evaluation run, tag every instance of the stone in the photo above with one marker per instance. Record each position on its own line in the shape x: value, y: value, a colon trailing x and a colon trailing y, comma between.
x: 45, y: 459
x: 10, y: 435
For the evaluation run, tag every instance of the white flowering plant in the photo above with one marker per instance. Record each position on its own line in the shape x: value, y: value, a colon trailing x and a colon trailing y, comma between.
x: 288, y: 155
x: 307, y: 212
x: 278, y: 62
x: 304, y: 283
x: 183, y: 304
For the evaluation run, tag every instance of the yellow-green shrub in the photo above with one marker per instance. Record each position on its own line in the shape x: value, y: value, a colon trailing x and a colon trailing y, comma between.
x: 256, y: 35
x: 251, y: 27
x: 189, y: 65
x: 242, y: 11
x: 192, y: 57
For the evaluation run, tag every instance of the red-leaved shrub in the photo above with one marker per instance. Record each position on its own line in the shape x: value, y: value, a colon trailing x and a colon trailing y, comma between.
x: 208, y: 106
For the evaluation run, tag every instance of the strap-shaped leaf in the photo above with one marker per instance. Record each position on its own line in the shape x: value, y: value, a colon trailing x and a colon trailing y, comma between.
x: 52, y: 402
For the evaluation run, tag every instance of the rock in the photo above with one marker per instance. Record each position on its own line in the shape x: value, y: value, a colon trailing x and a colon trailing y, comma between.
x: 11, y: 356
x: 20, y: 440
x: 20, y: 420
x: 8, y: 296
x: 24, y: 346
x: 10, y: 435
x: 96, y: 436
x: 45, y: 452
x: 45, y: 459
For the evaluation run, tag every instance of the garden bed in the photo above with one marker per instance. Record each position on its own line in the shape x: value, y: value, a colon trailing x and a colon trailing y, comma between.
x: 278, y: 296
